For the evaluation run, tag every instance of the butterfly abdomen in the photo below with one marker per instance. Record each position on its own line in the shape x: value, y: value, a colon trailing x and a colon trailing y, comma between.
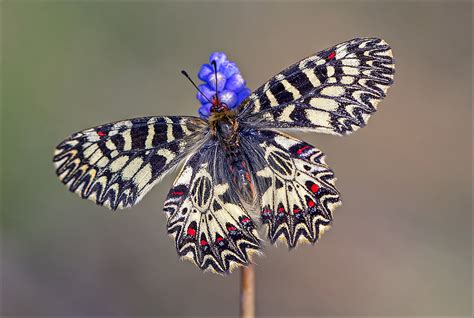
x: 241, y: 177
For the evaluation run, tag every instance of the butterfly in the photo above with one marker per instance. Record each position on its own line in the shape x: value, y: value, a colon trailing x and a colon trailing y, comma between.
x: 240, y: 170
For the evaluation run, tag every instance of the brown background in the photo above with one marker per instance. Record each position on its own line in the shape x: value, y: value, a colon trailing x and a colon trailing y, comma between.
x: 401, y: 242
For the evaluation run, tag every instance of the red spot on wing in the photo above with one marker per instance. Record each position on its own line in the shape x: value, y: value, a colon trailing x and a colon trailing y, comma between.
x: 311, y: 203
x: 300, y: 151
x: 101, y: 133
x: 231, y: 228
x: 219, y: 239
x: 191, y: 231
x: 296, y: 210
x: 177, y: 193
x: 332, y: 55
x: 245, y: 220
x: 314, y: 188
x: 203, y: 242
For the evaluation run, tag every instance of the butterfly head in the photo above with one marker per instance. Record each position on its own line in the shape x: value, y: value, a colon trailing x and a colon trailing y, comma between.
x: 218, y: 106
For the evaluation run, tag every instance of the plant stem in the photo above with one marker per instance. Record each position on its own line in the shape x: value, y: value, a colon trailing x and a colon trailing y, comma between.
x: 247, y: 292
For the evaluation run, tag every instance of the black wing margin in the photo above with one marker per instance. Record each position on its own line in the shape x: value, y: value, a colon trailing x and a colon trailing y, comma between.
x: 297, y: 193
x: 334, y: 91
x: 209, y: 224
x: 116, y: 164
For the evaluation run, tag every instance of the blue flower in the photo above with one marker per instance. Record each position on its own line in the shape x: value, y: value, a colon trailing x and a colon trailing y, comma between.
x: 230, y: 84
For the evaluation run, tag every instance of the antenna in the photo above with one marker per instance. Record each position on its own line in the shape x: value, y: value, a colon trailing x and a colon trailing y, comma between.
x: 215, y: 75
x: 192, y: 82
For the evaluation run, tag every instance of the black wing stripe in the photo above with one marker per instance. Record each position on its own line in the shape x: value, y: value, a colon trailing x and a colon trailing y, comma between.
x: 295, y: 186
x: 334, y: 91
x: 117, y: 164
x: 205, y: 217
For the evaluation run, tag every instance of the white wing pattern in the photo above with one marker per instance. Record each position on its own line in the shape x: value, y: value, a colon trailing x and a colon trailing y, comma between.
x: 209, y: 224
x: 296, y: 188
x: 116, y: 164
x: 334, y: 91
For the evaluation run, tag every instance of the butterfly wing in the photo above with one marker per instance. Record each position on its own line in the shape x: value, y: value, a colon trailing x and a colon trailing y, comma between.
x: 116, y: 164
x: 334, y: 91
x: 206, y: 218
x: 296, y: 188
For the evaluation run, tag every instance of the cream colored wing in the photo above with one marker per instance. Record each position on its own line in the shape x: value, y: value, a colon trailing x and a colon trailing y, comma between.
x: 334, y: 91
x: 296, y: 187
x: 116, y: 164
x: 206, y: 219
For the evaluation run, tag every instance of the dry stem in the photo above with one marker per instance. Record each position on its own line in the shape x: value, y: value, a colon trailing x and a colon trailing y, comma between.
x: 247, y: 292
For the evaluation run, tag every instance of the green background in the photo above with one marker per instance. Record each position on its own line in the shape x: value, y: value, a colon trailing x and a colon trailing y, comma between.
x: 401, y: 242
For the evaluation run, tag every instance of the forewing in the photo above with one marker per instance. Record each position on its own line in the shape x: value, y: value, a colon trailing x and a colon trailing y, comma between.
x: 209, y: 224
x: 334, y: 91
x: 116, y: 164
x: 296, y: 187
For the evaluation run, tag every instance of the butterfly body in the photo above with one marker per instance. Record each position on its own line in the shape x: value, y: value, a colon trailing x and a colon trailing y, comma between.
x: 240, y: 170
x: 224, y: 127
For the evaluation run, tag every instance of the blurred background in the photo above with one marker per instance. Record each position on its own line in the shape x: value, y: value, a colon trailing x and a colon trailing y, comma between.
x: 401, y: 242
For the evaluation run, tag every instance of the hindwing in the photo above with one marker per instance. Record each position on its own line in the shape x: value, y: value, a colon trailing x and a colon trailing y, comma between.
x: 334, y: 91
x: 296, y: 187
x: 206, y: 218
x: 116, y: 164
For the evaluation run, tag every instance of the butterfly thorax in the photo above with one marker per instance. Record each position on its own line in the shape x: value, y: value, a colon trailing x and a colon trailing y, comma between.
x: 224, y: 127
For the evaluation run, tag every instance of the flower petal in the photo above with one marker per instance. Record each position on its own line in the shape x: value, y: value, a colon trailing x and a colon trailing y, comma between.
x: 221, y: 80
x: 231, y: 85
x: 243, y: 94
x: 205, y: 110
x: 229, y: 68
x: 235, y: 83
x: 204, y: 72
x: 229, y: 98
x: 209, y: 93
x: 219, y: 57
